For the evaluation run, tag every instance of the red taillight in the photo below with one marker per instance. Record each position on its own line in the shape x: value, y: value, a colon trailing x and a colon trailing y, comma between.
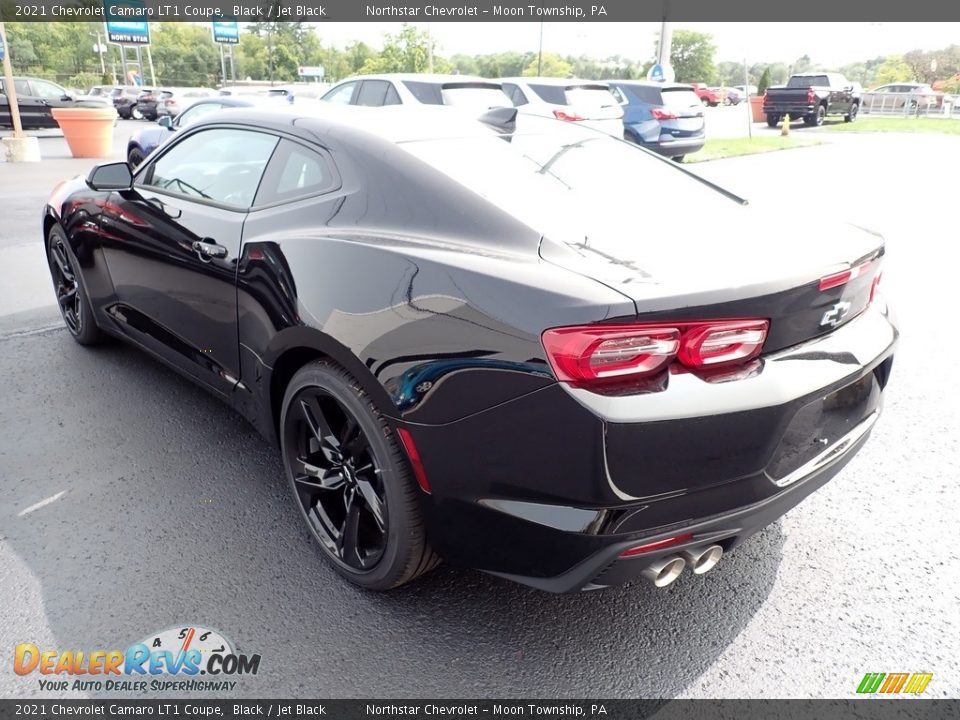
x: 845, y: 276
x: 604, y: 354
x: 659, y: 544
x: 597, y: 353
x: 662, y: 114
x: 561, y: 115
x: 811, y: 95
x: 720, y: 344
x: 418, y: 470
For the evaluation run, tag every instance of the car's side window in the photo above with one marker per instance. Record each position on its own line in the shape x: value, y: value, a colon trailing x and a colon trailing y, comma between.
x: 372, y: 93
x: 220, y: 165
x: 393, y: 97
x: 515, y: 94
x: 23, y: 88
x: 47, y: 90
x: 341, y: 95
x: 296, y: 171
x: 621, y: 98
x: 197, y: 112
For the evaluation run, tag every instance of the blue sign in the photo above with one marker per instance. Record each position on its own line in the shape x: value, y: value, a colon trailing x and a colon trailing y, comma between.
x: 3, y: 49
x: 126, y: 22
x: 226, y: 32
x: 656, y: 73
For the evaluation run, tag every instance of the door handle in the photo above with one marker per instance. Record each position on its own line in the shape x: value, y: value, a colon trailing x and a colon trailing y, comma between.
x: 207, y: 249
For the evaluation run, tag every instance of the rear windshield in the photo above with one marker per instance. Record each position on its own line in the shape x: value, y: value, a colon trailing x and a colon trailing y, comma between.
x: 805, y: 81
x: 589, y: 95
x: 475, y: 94
x: 557, y: 180
x: 679, y: 97
x: 481, y: 98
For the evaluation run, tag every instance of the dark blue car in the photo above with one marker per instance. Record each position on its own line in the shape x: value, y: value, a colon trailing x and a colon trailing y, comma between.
x: 664, y: 117
x: 144, y: 141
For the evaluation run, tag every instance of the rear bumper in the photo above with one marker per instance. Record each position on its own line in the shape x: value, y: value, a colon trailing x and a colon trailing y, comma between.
x: 560, y: 482
x: 795, y: 109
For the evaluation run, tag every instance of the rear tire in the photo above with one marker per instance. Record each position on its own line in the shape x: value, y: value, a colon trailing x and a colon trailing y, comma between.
x: 678, y: 158
x: 136, y: 114
x: 72, y: 297
x: 773, y: 120
x: 816, y: 118
x: 353, y: 486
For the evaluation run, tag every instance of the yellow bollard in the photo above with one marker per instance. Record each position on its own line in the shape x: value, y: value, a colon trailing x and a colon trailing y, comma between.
x: 786, y: 125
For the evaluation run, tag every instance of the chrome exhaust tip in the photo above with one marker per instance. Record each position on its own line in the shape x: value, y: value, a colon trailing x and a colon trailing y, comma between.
x: 665, y: 571
x: 703, y: 559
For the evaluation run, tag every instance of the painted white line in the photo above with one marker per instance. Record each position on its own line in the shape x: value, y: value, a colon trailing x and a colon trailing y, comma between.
x: 37, y: 506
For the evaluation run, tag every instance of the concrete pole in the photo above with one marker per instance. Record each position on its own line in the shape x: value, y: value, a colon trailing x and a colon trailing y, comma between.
x: 8, y: 86
x: 20, y: 147
x: 540, y: 51
x: 666, y: 40
x: 153, y: 75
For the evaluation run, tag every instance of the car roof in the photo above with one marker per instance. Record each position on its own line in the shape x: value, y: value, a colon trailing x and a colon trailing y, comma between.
x: 652, y: 84
x: 394, y: 124
x: 559, y: 82
x: 422, y: 77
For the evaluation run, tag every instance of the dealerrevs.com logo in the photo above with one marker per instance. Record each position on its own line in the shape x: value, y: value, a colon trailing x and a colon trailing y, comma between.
x: 168, y: 661
x: 894, y: 683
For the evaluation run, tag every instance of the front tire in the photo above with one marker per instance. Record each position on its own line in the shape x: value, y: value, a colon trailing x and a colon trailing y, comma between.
x: 136, y: 113
x: 72, y: 297
x: 135, y: 157
x: 852, y: 115
x: 351, y: 481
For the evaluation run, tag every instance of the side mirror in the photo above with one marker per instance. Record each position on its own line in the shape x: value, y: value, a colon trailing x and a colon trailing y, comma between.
x: 66, y: 98
x: 111, y: 176
x: 165, y: 121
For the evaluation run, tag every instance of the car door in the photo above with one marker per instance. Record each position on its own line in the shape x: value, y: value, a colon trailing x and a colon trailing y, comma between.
x: 171, y: 245
x: 52, y: 95
x: 342, y: 94
x: 33, y: 112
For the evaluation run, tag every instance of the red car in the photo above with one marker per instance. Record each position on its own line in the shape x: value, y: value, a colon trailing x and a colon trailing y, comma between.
x: 708, y: 96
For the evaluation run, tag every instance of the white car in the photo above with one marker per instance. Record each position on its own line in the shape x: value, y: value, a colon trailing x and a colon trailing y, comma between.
x: 465, y: 91
x: 582, y: 101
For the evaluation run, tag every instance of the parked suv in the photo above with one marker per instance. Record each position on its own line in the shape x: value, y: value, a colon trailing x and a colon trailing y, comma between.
x: 37, y: 98
x: 411, y: 89
x: 125, y: 101
x: 149, y: 100
x: 664, y: 117
x: 180, y: 99
x: 582, y: 101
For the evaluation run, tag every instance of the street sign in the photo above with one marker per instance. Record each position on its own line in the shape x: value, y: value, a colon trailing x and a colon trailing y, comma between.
x: 226, y: 32
x: 123, y: 27
x: 310, y: 71
x: 3, y: 49
x: 660, y: 73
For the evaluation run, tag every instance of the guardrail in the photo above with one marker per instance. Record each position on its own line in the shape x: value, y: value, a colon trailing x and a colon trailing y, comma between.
x: 910, y: 105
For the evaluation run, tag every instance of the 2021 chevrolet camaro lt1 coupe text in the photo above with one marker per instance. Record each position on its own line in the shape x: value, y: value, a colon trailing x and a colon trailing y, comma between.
x: 489, y: 340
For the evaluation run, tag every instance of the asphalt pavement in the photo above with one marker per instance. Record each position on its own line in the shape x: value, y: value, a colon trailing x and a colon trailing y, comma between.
x: 163, y: 508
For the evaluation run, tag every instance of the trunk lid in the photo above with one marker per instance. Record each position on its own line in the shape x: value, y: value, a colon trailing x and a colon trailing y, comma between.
x: 675, y: 270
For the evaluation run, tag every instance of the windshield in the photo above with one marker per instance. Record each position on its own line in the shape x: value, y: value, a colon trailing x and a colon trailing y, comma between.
x: 566, y: 182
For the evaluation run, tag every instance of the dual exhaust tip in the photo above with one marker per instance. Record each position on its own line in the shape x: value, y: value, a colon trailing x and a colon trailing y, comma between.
x: 701, y: 560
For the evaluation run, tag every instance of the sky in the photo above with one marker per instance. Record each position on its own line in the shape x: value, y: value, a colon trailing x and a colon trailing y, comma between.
x: 831, y: 44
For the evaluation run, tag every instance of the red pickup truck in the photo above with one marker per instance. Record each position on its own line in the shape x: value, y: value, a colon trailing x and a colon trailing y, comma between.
x: 708, y: 96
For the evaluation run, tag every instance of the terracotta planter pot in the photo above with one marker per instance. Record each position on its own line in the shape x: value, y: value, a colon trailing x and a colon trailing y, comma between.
x: 88, y: 131
x: 756, y: 109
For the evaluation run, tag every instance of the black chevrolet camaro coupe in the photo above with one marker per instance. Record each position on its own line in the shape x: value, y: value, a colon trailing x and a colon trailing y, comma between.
x: 493, y: 341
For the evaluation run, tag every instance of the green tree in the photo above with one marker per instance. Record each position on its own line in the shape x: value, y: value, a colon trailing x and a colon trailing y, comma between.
x: 552, y: 66
x: 184, y: 54
x: 406, y: 51
x: 764, y: 82
x: 691, y: 55
x: 893, y: 69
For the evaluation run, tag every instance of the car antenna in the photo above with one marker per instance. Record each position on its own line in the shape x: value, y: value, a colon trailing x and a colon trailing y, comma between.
x: 503, y: 119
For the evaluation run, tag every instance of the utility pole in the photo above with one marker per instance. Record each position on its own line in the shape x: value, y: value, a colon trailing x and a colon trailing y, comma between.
x: 100, y: 48
x: 429, y: 50
x: 666, y: 40
x: 540, y: 52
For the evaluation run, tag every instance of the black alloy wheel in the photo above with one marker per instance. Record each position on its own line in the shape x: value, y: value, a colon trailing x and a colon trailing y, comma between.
x: 350, y: 480
x: 68, y: 285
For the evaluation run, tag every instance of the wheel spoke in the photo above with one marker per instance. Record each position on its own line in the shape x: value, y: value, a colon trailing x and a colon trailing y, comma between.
x: 320, y: 427
x: 373, y: 501
x: 348, y: 539
x: 59, y: 256
x: 350, y: 434
x: 67, y: 298
x: 315, y: 476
